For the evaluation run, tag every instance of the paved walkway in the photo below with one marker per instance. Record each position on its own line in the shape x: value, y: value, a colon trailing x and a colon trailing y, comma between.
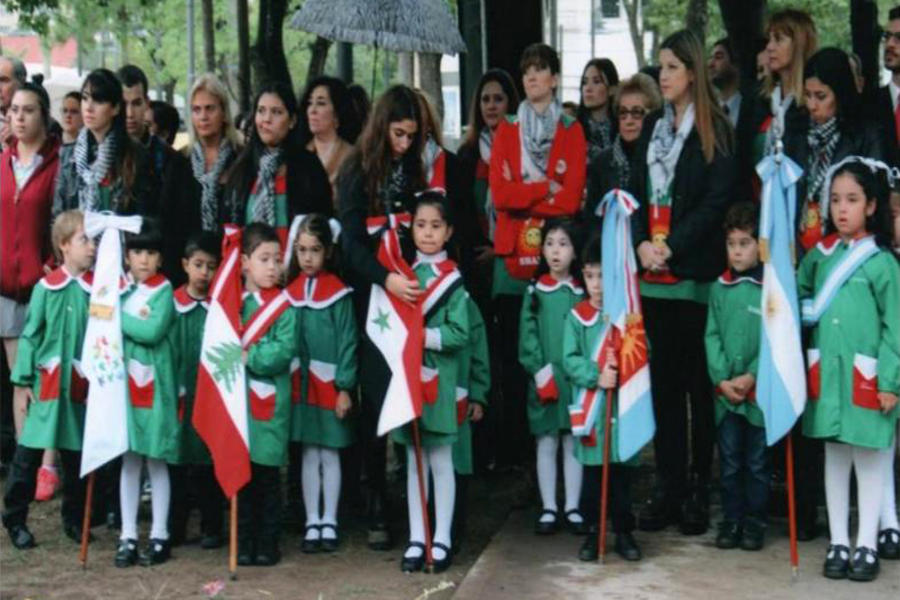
x: 519, y: 565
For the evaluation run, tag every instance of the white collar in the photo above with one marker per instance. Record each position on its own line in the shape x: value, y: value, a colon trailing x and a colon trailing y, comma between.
x: 437, y: 257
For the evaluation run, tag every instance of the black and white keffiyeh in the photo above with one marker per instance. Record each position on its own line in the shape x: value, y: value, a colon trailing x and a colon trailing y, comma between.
x: 621, y: 162
x: 92, y: 173
x: 264, y: 203
x: 598, y: 134
x: 822, y: 139
x: 210, y: 181
x: 665, y: 148
x: 537, y: 132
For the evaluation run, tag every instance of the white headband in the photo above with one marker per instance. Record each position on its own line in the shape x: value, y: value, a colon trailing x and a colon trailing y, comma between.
x: 333, y: 224
x: 893, y: 177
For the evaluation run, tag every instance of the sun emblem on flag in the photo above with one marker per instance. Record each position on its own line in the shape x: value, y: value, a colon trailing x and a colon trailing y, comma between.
x: 634, y: 345
x: 771, y: 306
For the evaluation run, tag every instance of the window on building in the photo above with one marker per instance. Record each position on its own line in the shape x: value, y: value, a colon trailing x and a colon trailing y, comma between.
x: 609, y: 9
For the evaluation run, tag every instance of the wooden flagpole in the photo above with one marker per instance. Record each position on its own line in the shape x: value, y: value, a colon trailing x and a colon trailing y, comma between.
x: 604, y: 489
x: 232, y: 538
x: 417, y: 442
x: 792, y: 509
x: 86, y: 522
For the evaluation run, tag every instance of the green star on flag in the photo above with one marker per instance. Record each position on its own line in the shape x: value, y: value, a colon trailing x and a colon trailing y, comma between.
x: 382, y: 320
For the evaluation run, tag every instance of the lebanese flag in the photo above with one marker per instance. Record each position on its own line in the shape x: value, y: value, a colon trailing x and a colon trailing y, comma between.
x: 220, y: 405
x: 396, y: 328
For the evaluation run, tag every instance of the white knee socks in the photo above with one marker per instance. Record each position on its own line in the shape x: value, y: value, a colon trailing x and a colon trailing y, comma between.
x: 437, y: 460
x: 327, y: 482
x: 573, y: 471
x: 130, y: 494
x: 889, y: 499
x: 839, y: 458
x: 547, y: 446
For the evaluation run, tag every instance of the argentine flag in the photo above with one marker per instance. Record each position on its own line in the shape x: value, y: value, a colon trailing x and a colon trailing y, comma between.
x: 781, y: 376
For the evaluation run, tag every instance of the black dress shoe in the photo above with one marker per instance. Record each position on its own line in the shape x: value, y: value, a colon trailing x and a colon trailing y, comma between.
x: 21, y: 537
x: 576, y: 527
x: 729, y: 535
x: 329, y: 544
x: 837, y: 562
x: 754, y: 535
x: 695, y: 512
x: 589, y: 551
x: 865, y: 565
x: 415, y: 563
x: 311, y: 545
x: 626, y: 547
x: 439, y: 566
x: 658, y: 513
x: 157, y: 552
x: 268, y: 554
x: 246, y: 552
x: 546, y: 527
x: 126, y: 553
x: 73, y: 532
x: 211, y: 541
x: 889, y: 544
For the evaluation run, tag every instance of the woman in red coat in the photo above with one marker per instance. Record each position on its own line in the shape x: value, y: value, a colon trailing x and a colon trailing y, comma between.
x: 537, y: 171
x: 28, y: 168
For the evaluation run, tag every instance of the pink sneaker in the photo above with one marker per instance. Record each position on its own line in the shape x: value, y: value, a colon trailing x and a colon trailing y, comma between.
x: 47, y: 483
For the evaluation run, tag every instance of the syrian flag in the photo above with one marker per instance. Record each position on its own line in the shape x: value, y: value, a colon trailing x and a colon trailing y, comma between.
x: 625, y: 332
x: 396, y: 328
x: 220, y: 409
x: 780, y: 377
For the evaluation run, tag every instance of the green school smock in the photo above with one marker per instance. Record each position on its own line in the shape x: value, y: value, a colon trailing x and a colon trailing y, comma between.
x: 540, y: 344
x: 190, y: 319
x: 269, y: 382
x: 327, y: 341
x: 474, y: 383
x: 446, y: 334
x: 148, y: 319
x: 732, y: 337
x: 583, y: 324
x: 861, y: 325
x: 47, y: 361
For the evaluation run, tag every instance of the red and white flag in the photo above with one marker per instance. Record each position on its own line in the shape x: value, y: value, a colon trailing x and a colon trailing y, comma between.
x: 220, y: 409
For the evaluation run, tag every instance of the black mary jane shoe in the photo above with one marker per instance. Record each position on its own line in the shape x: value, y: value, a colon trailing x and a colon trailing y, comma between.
x: 837, y: 562
x: 864, y: 566
x: 627, y: 547
x: 21, y: 537
x: 546, y: 527
x: 889, y: 544
x: 415, y: 563
x: 590, y: 549
x: 126, y: 553
x: 329, y: 544
x: 157, y: 552
x: 577, y: 528
x: 311, y: 546
x: 439, y: 566
x: 729, y: 535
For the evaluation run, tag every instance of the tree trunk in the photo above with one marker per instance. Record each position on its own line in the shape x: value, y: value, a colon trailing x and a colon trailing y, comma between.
x: 243, y: 30
x: 319, y: 50
x: 743, y: 20
x: 405, y: 67
x: 636, y: 31
x: 169, y: 90
x: 269, y: 61
x: 697, y: 18
x: 864, y: 30
x: 430, y: 79
x: 209, y: 36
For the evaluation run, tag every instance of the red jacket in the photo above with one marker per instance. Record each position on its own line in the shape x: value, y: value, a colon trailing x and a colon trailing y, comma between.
x: 515, y: 201
x: 25, y: 221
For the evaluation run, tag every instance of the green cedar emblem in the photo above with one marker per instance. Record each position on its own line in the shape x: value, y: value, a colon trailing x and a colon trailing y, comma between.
x: 226, y: 360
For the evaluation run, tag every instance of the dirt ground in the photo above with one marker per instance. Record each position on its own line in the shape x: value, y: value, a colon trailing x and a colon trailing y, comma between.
x: 52, y: 569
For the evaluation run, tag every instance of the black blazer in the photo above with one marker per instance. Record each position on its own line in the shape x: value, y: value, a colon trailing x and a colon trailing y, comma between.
x: 882, y: 112
x: 602, y: 176
x: 701, y: 195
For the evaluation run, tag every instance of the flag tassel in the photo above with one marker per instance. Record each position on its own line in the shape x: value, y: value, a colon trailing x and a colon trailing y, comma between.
x: 232, y: 538
x: 792, y: 508
x: 604, y: 485
x: 420, y: 471
x: 86, y: 522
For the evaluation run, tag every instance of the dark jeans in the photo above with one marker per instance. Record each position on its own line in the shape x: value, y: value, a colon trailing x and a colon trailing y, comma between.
x: 744, y: 460
x: 374, y: 378
x: 680, y: 384
x: 507, y: 418
x: 21, y: 483
x: 195, y: 486
x: 619, y: 508
x: 259, y: 505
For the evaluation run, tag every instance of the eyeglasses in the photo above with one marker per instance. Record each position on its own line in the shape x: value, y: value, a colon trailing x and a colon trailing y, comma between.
x: 637, y: 113
x: 887, y: 36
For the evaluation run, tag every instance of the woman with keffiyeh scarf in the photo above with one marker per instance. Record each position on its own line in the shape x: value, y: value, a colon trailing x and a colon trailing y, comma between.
x: 275, y: 177
x: 106, y: 170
